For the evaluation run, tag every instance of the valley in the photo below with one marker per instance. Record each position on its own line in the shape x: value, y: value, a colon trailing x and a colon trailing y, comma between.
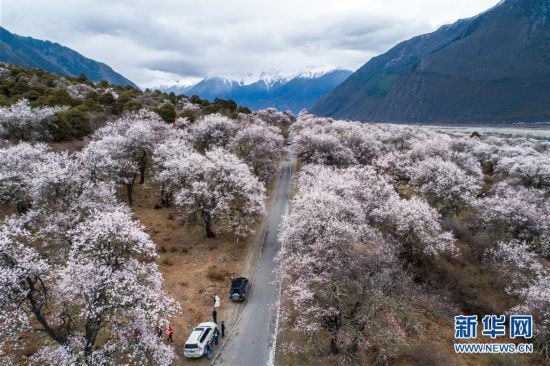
x: 228, y: 197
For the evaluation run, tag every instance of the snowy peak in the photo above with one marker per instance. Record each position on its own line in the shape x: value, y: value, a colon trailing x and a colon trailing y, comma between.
x: 231, y: 79
x: 285, y: 90
x: 269, y: 78
x: 280, y: 77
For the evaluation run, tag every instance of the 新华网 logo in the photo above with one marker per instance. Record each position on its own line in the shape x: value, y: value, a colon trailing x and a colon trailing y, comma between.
x: 493, y: 327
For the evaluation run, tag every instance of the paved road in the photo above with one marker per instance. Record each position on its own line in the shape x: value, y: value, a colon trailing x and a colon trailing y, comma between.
x: 252, y: 343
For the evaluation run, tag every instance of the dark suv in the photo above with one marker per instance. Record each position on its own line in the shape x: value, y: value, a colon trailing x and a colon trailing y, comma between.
x: 239, y: 289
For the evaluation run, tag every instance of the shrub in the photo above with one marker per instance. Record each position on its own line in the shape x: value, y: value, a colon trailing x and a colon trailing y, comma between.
x: 73, y: 123
x: 106, y: 99
x: 92, y: 95
x: 215, y: 274
x: 245, y: 110
x: 195, y: 99
x: 132, y: 106
x: 228, y: 105
x: 190, y: 115
x: 167, y: 112
x: 56, y: 97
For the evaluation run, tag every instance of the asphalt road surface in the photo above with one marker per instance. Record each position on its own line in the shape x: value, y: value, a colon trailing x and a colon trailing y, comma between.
x: 253, y: 340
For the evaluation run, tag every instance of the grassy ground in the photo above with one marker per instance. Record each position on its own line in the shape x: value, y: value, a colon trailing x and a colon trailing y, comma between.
x: 70, y: 146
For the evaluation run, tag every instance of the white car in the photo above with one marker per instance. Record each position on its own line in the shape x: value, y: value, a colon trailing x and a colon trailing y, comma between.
x: 199, y: 337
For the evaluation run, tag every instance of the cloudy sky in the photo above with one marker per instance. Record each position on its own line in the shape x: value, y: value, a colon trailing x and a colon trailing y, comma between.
x: 157, y: 42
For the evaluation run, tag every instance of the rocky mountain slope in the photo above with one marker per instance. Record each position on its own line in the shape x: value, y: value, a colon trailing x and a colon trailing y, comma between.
x: 55, y: 58
x: 494, y: 67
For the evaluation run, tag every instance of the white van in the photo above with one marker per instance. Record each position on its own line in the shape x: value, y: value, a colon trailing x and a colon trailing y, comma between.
x: 199, y: 337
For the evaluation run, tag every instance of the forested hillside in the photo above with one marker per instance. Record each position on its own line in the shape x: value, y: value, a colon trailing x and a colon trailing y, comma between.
x: 40, y: 106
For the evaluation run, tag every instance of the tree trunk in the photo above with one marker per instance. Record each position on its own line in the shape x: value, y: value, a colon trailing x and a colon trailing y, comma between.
x: 130, y: 189
x: 37, y: 310
x: 208, y: 224
x: 164, y: 200
x: 358, y: 327
x: 141, y: 174
x: 92, y: 328
x: 334, y: 342
x: 335, y: 330
x: 142, y: 168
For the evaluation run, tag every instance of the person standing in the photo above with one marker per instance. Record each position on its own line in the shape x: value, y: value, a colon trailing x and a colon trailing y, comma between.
x: 217, y: 302
x: 159, y: 332
x: 216, y: 336
x: 208, y: 350
x: 215, y: 316
x: 223, y: 328
x: 170, y: 333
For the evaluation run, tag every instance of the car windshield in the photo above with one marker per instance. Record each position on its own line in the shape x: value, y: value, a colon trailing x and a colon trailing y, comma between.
x: 237, y: 283
x: 203, y: 337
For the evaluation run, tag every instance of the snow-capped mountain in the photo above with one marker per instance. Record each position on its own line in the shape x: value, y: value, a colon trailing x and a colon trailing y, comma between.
x: 274, y: 77
x: 284, y: 90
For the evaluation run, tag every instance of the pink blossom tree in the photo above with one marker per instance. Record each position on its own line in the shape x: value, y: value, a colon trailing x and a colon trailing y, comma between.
x: 213, y: 130
x: 21, y: 122
x: 510, y: 212
x: 341, y: 245
x: 97, y: 298
x: 122, y: 150
x: 536, y: 301
x: 313, y: 146
x: 530, y: 170
x: 528, y: 280
x: 444, y: 184
x: 275, y: 118
x: 261, y: 147
x: 217, y: 187
x: 142, y: 130
x: 16, y: 173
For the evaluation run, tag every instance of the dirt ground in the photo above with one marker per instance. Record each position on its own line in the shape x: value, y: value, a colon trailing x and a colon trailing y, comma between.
x: 195, y: 268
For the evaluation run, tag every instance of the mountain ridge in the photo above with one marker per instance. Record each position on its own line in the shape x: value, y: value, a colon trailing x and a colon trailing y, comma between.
x: 56, y: 58
x: 493, y: 67
x: 292, y: 90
